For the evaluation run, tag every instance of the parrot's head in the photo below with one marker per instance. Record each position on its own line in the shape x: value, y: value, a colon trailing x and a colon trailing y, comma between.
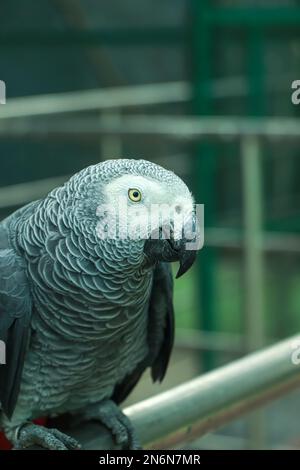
x: 145, y: 207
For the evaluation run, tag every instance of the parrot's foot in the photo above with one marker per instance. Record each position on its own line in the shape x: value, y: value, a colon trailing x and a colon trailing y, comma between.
x: 31, y: 434
x: 111, y: 416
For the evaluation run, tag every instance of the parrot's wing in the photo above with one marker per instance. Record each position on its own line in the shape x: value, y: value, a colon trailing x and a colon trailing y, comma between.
x: 160, y: 332
x: 15, y: 312
x: 161, y: 321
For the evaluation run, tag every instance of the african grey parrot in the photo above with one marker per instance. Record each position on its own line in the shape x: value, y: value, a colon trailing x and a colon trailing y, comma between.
x: 82, y: 316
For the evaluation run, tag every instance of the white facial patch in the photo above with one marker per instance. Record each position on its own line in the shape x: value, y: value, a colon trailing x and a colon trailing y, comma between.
x: 161, y: 205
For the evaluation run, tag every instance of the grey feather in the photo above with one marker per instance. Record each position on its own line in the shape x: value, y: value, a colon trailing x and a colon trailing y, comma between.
x: 15, y: 313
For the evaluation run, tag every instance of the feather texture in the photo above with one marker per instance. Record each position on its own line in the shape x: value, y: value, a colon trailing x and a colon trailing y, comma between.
x: 82, y: 317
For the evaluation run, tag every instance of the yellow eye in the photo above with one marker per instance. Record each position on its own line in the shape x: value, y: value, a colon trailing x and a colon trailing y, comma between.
x: 134, y: 195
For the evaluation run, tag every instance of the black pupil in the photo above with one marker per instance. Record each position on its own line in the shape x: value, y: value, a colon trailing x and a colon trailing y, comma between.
x: 135, y: 194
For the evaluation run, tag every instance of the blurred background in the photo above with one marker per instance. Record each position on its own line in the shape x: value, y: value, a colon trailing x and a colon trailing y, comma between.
x: 194, y: 86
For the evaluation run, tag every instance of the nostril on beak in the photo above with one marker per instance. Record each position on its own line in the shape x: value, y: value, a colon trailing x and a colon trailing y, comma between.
x: 178, y: 209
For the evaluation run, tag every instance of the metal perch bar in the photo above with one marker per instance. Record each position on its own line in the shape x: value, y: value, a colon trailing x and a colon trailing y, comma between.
x: 104, y: 99
x: 201, y: 405
x: 127, y: 96
x: 178, y: 128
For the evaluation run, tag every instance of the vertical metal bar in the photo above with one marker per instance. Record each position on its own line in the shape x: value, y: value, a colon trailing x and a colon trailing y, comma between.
x: 256, y: 99
x: 110, y: 145
x: 254, y: 270
x: 205, y: 160
x: 252, y: 189
x: 253, y: 221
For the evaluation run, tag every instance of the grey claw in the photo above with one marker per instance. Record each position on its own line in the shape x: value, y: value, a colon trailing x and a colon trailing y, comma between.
x: 31, y: 434
x: 109, y: 414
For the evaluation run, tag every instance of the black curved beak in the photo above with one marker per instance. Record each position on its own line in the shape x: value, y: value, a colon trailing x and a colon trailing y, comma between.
x: 186, y: 259
x: 169, y: 250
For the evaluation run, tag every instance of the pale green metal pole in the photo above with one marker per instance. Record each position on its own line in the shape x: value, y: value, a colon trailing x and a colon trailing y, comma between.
x: 253, y: 234
x: 203, y: 404
x: 253, y: 263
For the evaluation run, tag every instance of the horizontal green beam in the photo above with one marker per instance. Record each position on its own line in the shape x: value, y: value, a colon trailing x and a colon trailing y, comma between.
x: 118, y: 37
x: 19, y: 194
x: 180, y: 128
x: 254, y: 17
